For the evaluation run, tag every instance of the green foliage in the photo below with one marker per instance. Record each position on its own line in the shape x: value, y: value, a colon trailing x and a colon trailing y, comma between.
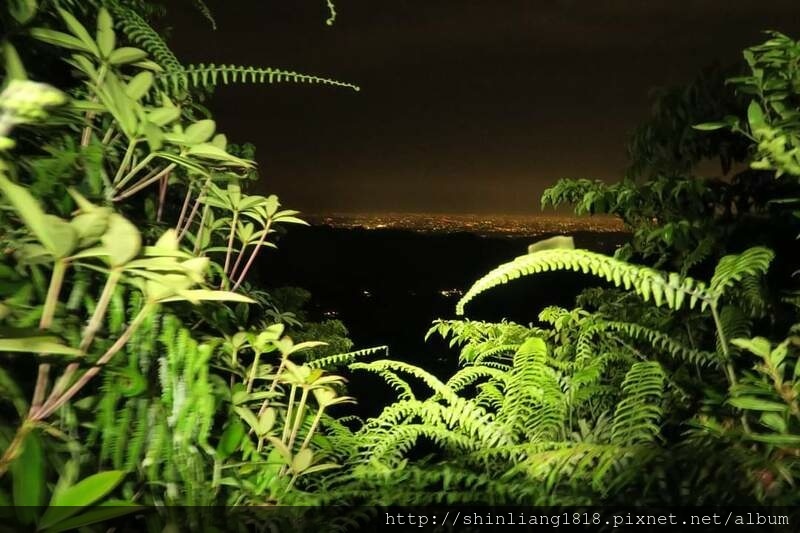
x: 145, y: 375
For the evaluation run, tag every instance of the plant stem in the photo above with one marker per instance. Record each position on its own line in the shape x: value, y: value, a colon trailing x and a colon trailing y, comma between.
x: 184, y: 207
x: 301, y: 411
x: 252, y: 377
x: 230, y: 242
x: 162, y: 196
x: 200, y: 229
x: 144, y: 183
x: 253, y: 255
x: 51, y: 300
x: 126, y: 159
x: 88, y: 335
x: 724, y: 343
x: 86, y: 136
x: 289, y: 406
x: 195, y: 207
x: 46, y: 320
x: 314, y: 425
x: 274, y: 384
x: 728, y: 363
x: 90, y: 373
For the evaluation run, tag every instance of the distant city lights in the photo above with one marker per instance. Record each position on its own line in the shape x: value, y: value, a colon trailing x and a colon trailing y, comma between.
x: 484, y: 225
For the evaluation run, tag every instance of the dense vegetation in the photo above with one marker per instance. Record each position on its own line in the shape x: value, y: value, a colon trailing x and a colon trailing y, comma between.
x: 141, y: 369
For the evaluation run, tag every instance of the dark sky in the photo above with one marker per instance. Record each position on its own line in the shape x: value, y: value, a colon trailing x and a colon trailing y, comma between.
x: 466, y: 106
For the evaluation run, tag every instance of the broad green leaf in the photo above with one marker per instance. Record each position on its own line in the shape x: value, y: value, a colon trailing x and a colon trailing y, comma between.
x: 121, y: 105
x: 777, y: 440
x: 235, y: 194
x: 231, y: 437
x: 83, y: 204
x: 125, y: 55
x: 106, y: 38
x: 62, y: 234
x: 188, y: 164
x: 13, y: 64
x: 71, y: 500
x: 200, y: 131
x: 302, y: 460
x: 162, y: 116
x: 167, y: 241
x: 22, y: 10
x: 757, y: 404
x: 122, y: 240
x: 248, y: 416
x: 79, y: 31
x: 266, y: 421
x: 57, y: 38
x: 209, y: 151
x: 139, y: 85
x: 291, y: 220
x: 44, y: 344
x: 755, y: 115
x: 29, y: 211
x: 28, y: 481
x: 710, y: 126
x: 107, y: 510
x: 202, y: 295
x: 758, y: 345
x: 271, y: 205
x: 220, y: 141
x: 774, y: 421
x: 83, y: 64
x: 149, y: 65
x: 281, y: 448
x: 154, y: 136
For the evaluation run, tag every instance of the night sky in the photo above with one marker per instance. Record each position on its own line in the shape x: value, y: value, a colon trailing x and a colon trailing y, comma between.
x: 465, y: 106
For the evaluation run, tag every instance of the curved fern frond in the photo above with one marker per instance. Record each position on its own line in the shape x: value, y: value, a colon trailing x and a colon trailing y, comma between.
x: 141, y: 33
x: 665, y: 288
x: 637, y: 416
x: 393, y: 380
x: 732, y: 268
x: 331, y: 12
x: 346, y: 358
x: 471, y: 374
x: 664, y: 342
x: 204, y: 10
x: 208, y: 76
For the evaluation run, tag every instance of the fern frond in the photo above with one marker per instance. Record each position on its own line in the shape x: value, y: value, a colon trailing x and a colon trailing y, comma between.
x: 141, y: 33
x: 534, y: 402
x: 669, y: 288
x: 393, y: 380
x: 206, y: 12
x: 735, y: 324
x: 637, y: 416
x: 347, y: 358
x: 663, y: 341
x: 471, y: 374
x: 732, y: 268
x: 209, y: 76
